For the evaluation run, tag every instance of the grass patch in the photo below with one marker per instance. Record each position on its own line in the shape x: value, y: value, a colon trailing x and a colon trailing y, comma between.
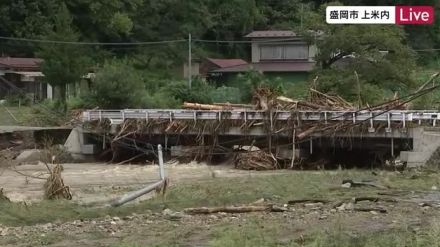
x: 255, y: 232
x: 20, y: 113
x: 259, y: 232
x: 393, y: 238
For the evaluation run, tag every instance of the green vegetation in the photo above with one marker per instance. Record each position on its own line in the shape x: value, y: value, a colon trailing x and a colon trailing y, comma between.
x: 21, y: 114
x: 257, y: 232
x: 63, y: 64
x: 383, y: 56
x: 379, y: 63
x: 117, y: 85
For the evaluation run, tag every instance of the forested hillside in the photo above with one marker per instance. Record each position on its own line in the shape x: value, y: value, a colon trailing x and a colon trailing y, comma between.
x: 151, y: 66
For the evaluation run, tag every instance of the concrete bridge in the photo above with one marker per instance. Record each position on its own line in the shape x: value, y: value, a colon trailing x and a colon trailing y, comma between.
x: 408, y: 135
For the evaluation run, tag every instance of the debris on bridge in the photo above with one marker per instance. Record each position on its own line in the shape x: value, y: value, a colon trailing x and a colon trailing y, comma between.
x: 265, y: 99
x: 280, y: 124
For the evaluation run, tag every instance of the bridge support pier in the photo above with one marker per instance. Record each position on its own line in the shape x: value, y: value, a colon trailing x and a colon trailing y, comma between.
x: 77, y: 145
x: 426, y: 141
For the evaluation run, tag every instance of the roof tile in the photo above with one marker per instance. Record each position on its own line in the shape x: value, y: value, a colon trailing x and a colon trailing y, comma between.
x: 224, y: 63
x: 296, y: 66
x: 272, y: 34
x: 20, y: 62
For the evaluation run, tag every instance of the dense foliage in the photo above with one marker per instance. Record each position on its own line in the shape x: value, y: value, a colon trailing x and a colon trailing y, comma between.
x: 117, y: 85
x: 372, y: 76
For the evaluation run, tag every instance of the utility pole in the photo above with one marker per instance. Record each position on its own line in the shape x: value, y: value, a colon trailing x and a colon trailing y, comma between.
x: 189, y: 62
x: 302, y: 11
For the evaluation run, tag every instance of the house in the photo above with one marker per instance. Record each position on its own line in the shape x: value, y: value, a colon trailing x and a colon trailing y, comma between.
x: 282, y: 54
x: 22, y: 75
x: 212, y: 64
x: 202, y: 67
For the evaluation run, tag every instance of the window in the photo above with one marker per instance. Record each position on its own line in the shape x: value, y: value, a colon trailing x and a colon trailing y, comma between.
x: 300, y: 51
x: 284, y: 52
x: 271, y: 52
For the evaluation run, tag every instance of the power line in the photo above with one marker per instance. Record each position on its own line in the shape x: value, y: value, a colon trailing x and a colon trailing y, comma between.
x: 141, y: 43
x: 92, y: 43
x: 244, y: 41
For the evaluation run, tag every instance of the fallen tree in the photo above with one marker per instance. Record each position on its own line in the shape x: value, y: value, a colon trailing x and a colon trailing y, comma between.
x: 234, y: 209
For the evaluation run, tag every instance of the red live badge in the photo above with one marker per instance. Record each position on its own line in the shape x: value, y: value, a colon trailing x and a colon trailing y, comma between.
x: 419, y: 15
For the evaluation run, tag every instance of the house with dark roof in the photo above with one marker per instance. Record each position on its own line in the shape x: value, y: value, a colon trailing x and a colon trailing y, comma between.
x: 19, y: 75
x: 212, y: 64
x: 22, y: 76
x: 282, y: 54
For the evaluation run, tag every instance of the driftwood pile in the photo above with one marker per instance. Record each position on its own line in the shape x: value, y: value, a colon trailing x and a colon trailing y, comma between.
x: 265, y: 99
x: 3, y: 197
x: 54, y: 187
x: 255, y: 160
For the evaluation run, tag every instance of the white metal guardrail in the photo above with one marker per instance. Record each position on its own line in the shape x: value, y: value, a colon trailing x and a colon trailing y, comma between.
x: 118, y: 116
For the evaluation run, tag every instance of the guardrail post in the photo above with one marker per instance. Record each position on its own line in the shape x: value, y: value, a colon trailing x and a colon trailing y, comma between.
x: 245, y: 116
x: 371, y: 129
x: 388, y: 129
x: 403, y: 120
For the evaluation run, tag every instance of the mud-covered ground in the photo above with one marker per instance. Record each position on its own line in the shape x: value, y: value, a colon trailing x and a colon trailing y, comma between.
x: 101, y: 182
x: 401, y: 209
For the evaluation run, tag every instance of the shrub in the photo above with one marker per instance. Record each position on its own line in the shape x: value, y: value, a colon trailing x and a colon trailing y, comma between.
x: 47, y: 113
x: 200, y: 91
x: 226, y: 94
x: 160, y: 100
x: 18, y: 99
x: 117, y: 85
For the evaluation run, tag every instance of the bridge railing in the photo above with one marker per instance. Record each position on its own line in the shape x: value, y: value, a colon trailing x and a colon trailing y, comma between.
x: 171, y: 114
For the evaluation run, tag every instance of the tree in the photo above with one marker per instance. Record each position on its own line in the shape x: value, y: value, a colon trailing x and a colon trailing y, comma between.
x: 117, y: 85
x: 369, y: 62
x: 24, y: 19
x: 63, y: 64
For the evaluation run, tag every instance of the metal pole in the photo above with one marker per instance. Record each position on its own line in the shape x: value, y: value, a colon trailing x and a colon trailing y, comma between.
x: 161, y: 167
x: 136, y: 194
x: 293, y: 148
x: 189, y: 62
x: 131, y: 196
